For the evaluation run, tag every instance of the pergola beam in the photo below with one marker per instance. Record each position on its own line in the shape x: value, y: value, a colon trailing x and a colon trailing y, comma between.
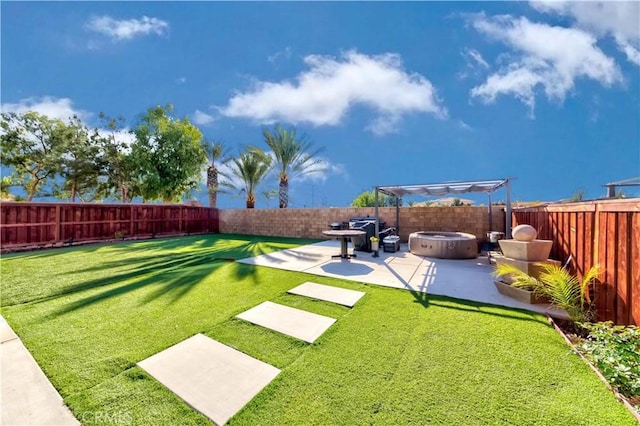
x: 452, y: 187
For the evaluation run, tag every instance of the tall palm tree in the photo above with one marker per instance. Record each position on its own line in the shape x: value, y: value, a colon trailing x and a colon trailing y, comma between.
x: 293, y: 157
x: 215, y: 152
x: 249, y: 169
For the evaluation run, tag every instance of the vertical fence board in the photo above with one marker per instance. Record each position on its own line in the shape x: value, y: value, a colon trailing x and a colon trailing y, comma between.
x: 603, y: 254
x: 610, y: 268
x: 572, y: 233
x: 635, y: 270
x: 580, y: 243
x: 622, y: 286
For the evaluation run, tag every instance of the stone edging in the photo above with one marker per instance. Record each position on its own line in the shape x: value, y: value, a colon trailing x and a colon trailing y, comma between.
x: 618, y: 395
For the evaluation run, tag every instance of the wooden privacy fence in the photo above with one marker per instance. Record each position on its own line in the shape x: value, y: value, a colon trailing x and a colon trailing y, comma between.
x: 604, y: 233
x: 37, y: 224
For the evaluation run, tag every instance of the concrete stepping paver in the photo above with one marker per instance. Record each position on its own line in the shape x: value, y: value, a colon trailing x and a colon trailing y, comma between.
x: 293, y: 322
x: 329, y: 293
x: 211, y: 377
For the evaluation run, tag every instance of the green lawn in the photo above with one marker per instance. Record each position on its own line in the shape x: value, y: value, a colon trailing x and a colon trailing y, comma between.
x: 89, y: 314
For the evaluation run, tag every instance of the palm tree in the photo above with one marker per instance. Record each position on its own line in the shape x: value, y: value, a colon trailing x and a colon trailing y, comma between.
x: 249, y: 168
x: 215, y: 151
x: 293, y: 157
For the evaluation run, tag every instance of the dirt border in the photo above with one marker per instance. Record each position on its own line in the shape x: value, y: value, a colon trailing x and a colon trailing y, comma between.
x: 618, y: 395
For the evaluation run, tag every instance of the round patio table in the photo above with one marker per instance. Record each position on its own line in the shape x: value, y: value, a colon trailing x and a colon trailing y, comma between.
x: 343, y: 235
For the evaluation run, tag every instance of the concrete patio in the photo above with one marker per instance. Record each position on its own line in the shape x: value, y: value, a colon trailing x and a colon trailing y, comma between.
x: 468, y: 279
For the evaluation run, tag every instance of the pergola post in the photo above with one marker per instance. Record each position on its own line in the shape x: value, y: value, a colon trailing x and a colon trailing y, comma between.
x: 376, y: 214
x: 490, y: 214
x: 508, y: 218
x: 398, y: 216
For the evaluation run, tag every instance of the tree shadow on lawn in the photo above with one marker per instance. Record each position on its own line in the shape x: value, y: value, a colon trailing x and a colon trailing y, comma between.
x: 175, y: 284
x: 175, y: 273
x: 167, y: 262
x: 158, y: 266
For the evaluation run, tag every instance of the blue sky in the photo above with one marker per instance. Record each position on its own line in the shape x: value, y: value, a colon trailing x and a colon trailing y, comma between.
x: 395, y: 93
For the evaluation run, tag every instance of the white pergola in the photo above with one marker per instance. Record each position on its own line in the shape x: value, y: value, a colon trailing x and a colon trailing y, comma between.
x: 440, y: 189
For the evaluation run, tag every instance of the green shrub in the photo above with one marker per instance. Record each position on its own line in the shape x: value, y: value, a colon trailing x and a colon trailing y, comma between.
x: 615, y: 350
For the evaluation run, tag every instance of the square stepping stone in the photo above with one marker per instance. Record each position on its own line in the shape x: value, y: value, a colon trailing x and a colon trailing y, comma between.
x: 293, y: 322
x: 341, y: 296
x: 211, y: 377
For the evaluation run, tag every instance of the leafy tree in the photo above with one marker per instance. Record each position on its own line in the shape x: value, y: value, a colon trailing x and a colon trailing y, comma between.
x: 293, y: 157
x: 30, y: 145
x: 168, y: 153
x: 249, y: 169
x: 80, y: 162
x: 368, y: 199
x: 118, y: 165
x: 5, y: 184
x: 215, y: 151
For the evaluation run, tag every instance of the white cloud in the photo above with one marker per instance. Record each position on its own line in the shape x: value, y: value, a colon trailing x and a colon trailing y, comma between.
x: 125, y: 29
x: 546, y: 56
x: 324, y: 94
x: 464, y: 126
x: 518, y: 81
x: 282, y: 54
x: 60, y: 108
x: 632, y: 52
x: 620, y: 19
x: 476, y: 64
x: 476, y: 57
x: 181, y: 80
x: 202, y: 118
x: 613, y: 17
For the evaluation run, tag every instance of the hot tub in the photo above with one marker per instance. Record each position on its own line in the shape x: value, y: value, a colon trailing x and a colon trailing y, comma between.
x: 444, y: 245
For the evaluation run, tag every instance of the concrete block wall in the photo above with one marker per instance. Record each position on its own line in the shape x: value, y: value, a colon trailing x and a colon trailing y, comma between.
x: 309, y: 223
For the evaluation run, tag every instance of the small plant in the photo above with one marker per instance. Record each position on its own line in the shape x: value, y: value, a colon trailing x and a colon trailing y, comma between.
x: 564, y: 290
x: 615, y: 350
x: 519, y: 278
